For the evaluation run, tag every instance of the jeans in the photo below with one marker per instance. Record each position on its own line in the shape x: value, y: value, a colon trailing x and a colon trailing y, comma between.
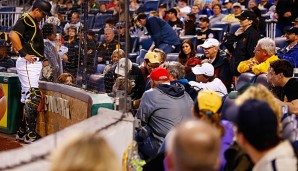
x: 147, y: 145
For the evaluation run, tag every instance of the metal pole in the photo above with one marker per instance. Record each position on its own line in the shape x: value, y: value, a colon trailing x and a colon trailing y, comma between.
x: 127, y: 42
x: 85, y: 30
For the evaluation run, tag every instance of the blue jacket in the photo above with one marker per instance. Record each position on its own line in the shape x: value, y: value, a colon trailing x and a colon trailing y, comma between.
x: 161, y: 32
x: 291, y: 55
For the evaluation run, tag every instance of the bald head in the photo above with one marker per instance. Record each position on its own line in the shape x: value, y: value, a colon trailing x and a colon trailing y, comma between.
x: 196, y: 146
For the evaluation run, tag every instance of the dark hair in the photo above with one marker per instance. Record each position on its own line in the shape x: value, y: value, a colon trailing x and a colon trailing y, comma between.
x: 258, y: 123
x: 213, y: 118
x: 282, y: 66
x: 48, y: 29
x: 192, y: 17
x: 216, y: 5
x: 141, y: 16
x: 182, y: 58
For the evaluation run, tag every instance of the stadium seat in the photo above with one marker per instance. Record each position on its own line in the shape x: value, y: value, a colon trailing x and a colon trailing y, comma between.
x: 141, y: 57
x: 12, y: 70
x: 172, y: 56
x: 134, y: 41
x: 289, y: 125
x: 234, y: 27
x: 90, y: 20
x: 262, y: 79
x: 133, y: 57
x: 100, y: 20
x: 2, y: 69
x: 280, y: 42
x: 244, y: 79
x: 100, y: 68
x: 224, y: 25
x: 96, y: 82
x: 219, y: 33
x: 145, y: 42
x: 150, y: 5
x: 7, y: 9
x: 193, y: 38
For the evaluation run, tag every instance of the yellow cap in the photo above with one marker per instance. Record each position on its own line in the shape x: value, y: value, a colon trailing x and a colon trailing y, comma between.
x: 152, y: 57
x: 209, y: 100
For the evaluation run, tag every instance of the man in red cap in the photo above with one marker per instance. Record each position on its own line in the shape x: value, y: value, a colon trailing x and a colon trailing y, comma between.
x: 161, y: 109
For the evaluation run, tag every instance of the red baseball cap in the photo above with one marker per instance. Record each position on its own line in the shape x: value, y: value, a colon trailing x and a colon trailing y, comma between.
x: 159, y: 74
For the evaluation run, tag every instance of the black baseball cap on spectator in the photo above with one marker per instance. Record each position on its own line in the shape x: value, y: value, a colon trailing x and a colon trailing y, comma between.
x: 258, y: 123
x: 173, y: 10
x: 162, y: 6
x: 204, y: 19
x: 292, y: 30
x: 120, y: 25
x: 247, y: 15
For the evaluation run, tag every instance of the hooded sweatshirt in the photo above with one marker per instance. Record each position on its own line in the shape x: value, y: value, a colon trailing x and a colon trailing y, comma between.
x: 163, y: 107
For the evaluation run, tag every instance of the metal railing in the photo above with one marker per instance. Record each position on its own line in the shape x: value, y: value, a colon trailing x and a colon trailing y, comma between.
x: 8, y: 19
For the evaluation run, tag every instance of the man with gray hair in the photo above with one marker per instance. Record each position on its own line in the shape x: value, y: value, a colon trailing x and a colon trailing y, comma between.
x: 107, y: 47
x: 161, y: 109
x: 177, y: 77
x: 193, y: 145
x: 265, y: 52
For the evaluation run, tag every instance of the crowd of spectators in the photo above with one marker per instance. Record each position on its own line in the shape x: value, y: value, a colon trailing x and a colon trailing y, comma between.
x: 196, y: 84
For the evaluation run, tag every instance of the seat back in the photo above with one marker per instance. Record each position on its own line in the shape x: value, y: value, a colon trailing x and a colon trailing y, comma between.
x: 90, y: 21
x: 172, y: 56
x: 100, y: 68
x: 244, y: 79
x: 150, y: 5
x: 289, y: 125
x: 96, y: 82
x: 262, y: 79
x: 193, y: 38
x: 219, y: 33
x: 224, y: 25
x: 234, y: 27
x: 280, y: 42
x: 100, y: 20
x: 145, y: 42
x: 141, y: 57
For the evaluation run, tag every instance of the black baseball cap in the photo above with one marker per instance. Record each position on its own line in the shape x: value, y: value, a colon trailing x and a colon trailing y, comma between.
x: 292, y: 30
x: 247, y: 15
x: 227, y: 1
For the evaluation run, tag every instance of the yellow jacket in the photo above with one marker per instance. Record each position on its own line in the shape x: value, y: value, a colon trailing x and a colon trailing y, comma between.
x: 257, y: 69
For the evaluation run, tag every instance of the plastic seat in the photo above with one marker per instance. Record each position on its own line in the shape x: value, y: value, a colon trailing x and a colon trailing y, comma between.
x: 134, y: 41
x: 150, y: 5
x: 100, y: 20
x: 224, y: 25
x: 244, y: 79
x: 96, y: 82
x: 145, y: 42
x: 7, y: 9
x: 172, y: 56
x: 141, y: 57
x: 234, y: 27
x: 133, y: 57
x: 12, y: 70
x: 2, y: 69
x: 100, y: 68
x: 289, y: 127
x: 219, y: 33
x: 262, y: 79
x: 193, y: 38
x: 90, y: 20
x: 280, y: 42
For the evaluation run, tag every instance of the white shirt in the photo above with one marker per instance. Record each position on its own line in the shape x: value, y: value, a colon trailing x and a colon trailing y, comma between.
x: 216, y: 85
x: 284, y: 156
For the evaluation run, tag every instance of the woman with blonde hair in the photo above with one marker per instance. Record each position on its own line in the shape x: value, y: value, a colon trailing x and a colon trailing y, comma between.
x: 84, y: 152
x: 260, y: 92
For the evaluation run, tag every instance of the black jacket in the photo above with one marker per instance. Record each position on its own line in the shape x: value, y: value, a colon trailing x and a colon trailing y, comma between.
x: 244, y: 48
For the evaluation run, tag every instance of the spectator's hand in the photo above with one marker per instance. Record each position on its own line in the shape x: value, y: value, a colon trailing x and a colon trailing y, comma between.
x: 288, y: 14
x: 253, y: 63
